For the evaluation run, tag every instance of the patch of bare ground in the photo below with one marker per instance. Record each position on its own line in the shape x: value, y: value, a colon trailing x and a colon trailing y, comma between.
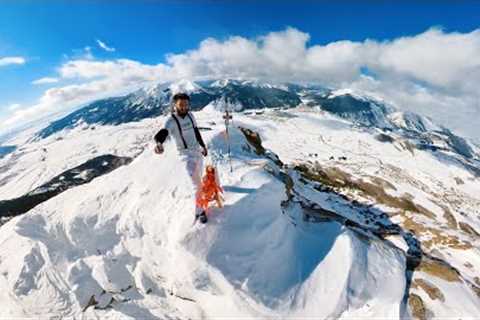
x: 435, y: 236
x: 339, y: 179
x: 475, y: 289
x: 433, y: 292
x: 477, y: 280
x: 465, y: 227
x: 451, y: 221
x: 417, y: 307
x: 440, y: 269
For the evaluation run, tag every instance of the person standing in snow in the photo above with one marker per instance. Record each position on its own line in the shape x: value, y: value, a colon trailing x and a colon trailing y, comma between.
x: 182, y: 126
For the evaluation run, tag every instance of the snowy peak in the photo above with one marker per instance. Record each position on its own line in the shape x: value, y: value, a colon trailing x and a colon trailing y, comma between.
x: 343, y: 92
x: 184, y: 86
x: 223, y: 83
x: 359, y: 109
x: 155, y: 90
x: 259, y: 84
x: 412, y: 121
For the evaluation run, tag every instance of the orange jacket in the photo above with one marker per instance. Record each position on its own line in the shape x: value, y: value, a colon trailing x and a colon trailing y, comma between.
x: 209, y: 188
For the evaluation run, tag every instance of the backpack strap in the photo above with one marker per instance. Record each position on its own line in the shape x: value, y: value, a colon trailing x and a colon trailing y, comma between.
x: 189, y: 116
x: 180, y: 130
x: 198, y: 136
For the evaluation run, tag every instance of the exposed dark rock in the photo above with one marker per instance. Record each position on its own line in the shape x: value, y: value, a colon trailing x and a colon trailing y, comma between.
x: 91, y: 302
x: 384, y: 138
x: 254, y: 140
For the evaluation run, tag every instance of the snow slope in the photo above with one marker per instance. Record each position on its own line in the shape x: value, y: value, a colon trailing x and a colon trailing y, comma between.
x: 123, y: 245
x: 130, y: 232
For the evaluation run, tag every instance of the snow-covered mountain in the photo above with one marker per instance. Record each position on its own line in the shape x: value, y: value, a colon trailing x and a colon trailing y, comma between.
x: 156, y: 100
x: 338, y: 206
x: 241, y: 95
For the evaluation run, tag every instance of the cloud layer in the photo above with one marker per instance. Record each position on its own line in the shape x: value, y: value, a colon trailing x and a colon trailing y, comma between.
x: 433, y: 73
x: 45, y: 80
x: 5, y: 61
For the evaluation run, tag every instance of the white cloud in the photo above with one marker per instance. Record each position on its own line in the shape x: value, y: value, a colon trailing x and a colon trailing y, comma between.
x: 120, y: 68
x: 104, y: 46
x: 5, y: 61
x: 45, y: 80
x: 112, y: 78
x: 13, y: 106
x: 433, y: 73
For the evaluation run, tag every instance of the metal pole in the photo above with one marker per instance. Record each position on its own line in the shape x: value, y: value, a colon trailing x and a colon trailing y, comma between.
x: 227, y: 118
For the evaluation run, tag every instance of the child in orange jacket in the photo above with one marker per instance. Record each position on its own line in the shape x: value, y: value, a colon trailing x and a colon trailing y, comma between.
x: 210, y: 189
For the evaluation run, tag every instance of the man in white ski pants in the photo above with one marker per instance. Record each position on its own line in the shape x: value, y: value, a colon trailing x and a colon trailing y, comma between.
x: 182, y: 126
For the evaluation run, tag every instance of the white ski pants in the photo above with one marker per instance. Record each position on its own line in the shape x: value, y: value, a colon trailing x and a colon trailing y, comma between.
x: 194, y: 164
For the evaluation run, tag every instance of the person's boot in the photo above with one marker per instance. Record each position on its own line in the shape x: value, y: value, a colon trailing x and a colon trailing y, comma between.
x: 203, y: 217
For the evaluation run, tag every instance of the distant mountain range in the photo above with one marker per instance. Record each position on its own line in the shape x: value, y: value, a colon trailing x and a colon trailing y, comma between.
x: 241, y: 95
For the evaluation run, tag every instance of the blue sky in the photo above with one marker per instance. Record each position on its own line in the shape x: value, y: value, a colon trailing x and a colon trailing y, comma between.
x: 49, y: 34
